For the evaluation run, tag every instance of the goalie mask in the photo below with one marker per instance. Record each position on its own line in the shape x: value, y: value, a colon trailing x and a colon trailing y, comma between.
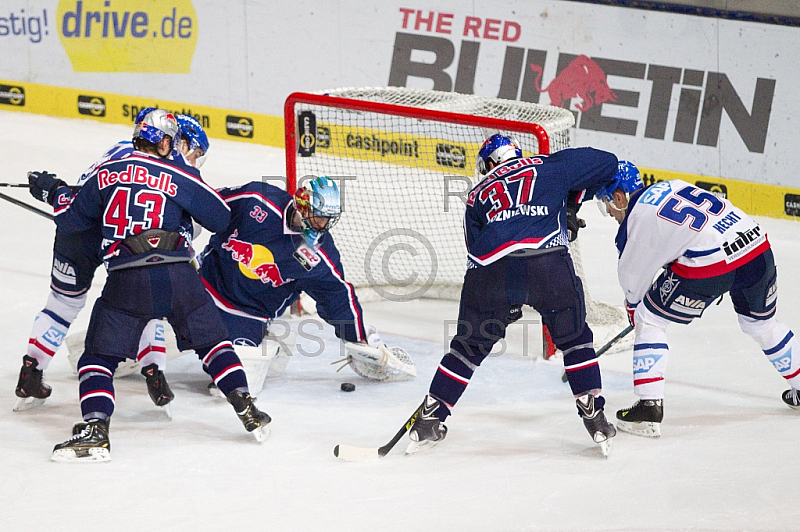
x: 628, y: 179
x: 498, y: 149
x: 319, y: 205
x: 155, y: 125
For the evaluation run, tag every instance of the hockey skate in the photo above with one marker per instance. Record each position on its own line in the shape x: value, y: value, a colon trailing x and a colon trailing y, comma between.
x: 255, y: 421
x: 792, y: 398
x: 89, y: 443
x: 595, y: 422
x: 158, y: 388
x: 427, y: 430
x: 31, y: 388
x: 644, y: 418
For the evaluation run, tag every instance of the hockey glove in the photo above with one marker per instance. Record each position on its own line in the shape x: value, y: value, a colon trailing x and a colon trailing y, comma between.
x: 573, y: 222
x: 43, y: 186
x: 630, y: 309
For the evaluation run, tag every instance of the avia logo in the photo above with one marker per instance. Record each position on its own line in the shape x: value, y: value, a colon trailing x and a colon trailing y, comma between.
x: 582, y: 78
x: 783, y: 363
x: 63, y: 267
x: 644, y: 363
x: 689, y: 302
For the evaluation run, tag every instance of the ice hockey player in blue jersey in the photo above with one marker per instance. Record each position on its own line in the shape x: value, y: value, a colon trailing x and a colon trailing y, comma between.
x: 517, y: 250
x: 277, y: 246
x: 76, y: 257
x: 710, y: 247
x: 141, y: 203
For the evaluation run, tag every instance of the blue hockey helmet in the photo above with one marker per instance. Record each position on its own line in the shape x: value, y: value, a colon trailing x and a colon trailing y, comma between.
x: 627, y: 179
x: 319, y: 204
x: 193, y: 133
x: 155, y: 125
x: 195, y: 137
x: 498, y: 148
x: 144, y: 112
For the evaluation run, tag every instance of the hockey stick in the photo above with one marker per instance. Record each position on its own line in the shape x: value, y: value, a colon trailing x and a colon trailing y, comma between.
x: 25, y: 206
x: 622, y: 334
x: 15, y: 185
x: 362, y: 454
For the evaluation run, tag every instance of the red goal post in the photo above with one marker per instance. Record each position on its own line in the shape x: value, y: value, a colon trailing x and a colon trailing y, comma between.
x: 398, y: 154
x: 293, y: 135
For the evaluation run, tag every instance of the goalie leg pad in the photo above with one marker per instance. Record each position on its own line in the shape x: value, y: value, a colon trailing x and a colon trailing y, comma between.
x: 256, y: 362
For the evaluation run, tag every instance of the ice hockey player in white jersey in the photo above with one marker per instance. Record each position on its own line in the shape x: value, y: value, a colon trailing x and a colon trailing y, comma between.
x: 706, y: 247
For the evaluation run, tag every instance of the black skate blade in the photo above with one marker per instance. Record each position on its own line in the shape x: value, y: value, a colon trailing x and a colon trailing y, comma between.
x: 91, y: 455
x: 26, y: 403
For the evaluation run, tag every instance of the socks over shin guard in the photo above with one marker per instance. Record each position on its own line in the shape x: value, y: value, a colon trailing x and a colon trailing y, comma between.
x: 224, y: 366
x: 96, y: 376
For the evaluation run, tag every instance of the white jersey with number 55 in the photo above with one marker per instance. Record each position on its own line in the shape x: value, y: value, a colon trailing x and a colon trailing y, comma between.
x: 690, y: 230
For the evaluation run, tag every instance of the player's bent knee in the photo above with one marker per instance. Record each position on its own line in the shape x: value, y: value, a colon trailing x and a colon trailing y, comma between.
x: 67, y: 308
x: 565, y: 325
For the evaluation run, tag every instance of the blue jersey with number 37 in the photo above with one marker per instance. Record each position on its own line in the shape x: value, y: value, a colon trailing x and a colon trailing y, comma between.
x: 521, y: 204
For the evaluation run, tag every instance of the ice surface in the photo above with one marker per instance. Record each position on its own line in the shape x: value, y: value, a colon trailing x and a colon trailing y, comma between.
x: 516, y: 457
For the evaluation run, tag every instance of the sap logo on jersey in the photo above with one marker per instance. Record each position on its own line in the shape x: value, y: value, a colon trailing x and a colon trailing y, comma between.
x: 643, y: 364
x: 655, y: 194
x: 54, y: 337
x: 137, y: 175
x: 128, y: 35
x: 784, y: 363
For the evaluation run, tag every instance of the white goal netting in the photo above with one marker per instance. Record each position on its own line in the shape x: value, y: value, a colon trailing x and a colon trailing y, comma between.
x: 404, y: 160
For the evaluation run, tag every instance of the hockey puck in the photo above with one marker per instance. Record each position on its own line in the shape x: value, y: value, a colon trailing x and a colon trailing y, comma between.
x: 348, y: 387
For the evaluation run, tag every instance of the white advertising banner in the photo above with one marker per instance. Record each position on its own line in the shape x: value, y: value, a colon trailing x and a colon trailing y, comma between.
x: 682, y: 93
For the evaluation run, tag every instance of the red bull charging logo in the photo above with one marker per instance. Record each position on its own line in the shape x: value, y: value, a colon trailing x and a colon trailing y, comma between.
x: 255, y: 261
x: 582, y: 78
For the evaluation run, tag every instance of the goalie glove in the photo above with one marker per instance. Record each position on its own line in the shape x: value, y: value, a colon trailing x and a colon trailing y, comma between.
x: 379, y: 363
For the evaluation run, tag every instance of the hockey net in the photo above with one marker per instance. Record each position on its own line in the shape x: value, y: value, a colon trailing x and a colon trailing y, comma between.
x: 404, y: 160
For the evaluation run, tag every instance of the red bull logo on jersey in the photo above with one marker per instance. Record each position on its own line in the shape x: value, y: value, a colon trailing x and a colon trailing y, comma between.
x: 241, y: 251
x: 255, y: 261
x: 137, y: 175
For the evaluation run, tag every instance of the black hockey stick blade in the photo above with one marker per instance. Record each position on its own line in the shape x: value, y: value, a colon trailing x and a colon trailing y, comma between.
x: 363, y: 454
x: 25, y: 206
x: 622, y: 334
